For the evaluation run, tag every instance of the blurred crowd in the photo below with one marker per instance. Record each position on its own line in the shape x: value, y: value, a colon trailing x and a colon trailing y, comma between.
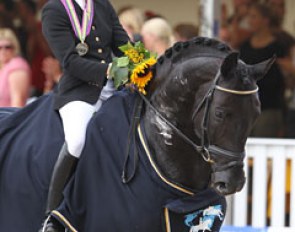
x: 256, y: 30
x: 28, y: 68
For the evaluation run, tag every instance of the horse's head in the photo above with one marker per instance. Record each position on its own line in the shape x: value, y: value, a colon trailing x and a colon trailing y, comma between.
x: 207, y: 103
x: 224, y: 118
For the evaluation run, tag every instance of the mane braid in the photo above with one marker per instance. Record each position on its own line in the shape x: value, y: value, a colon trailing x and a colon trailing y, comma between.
x: 181, y: 51
x: 197, y: 42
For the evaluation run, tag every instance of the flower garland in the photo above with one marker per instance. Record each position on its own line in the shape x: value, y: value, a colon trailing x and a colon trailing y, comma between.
x: 134, y: 67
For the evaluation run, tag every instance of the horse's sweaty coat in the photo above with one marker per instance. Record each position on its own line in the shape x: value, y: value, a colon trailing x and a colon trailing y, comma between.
x: 95, y: 198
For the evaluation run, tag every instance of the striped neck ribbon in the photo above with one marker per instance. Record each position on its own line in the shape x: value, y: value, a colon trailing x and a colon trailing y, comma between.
x: 81, y: 31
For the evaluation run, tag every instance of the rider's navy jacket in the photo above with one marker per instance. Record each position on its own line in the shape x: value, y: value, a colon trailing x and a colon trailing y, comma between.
x: 83, y: 77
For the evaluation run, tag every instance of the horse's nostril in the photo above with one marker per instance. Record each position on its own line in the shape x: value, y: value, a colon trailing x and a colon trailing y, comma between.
x: 220, y: 187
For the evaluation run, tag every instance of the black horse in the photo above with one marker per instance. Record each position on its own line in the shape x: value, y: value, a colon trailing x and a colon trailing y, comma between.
x: 188, y: 146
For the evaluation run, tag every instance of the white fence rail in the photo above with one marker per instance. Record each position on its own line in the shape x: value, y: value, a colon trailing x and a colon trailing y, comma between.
x: 268, y: 160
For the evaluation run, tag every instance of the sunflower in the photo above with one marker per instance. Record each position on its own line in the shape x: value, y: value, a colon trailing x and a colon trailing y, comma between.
x: 134, y: 55
x: 142, y: 74
x: 151, y: 61
x: 134, y: 68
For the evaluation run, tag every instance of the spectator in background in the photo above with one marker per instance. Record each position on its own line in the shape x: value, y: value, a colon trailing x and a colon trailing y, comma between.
x: 285, y: 38
x: 39, y: 7
x: 14, y: 72
x: 185, y: 31
x: 5, y: 16
x: 157, y: 35
x: 237, y: 25
x: 149, y: 14
x: 52, y: 71
x: 278, y: 6
x: 287, y: 65
x: 224, y: 34
x: 261, y: 46
x: 132, y: 20
x: 36, y: 48
x: 124, y: 8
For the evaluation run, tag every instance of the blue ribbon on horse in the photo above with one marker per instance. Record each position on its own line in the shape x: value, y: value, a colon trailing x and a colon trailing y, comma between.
x: 190, y: 212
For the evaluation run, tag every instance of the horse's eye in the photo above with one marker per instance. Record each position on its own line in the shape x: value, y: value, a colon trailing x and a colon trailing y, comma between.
x: 220, y: 113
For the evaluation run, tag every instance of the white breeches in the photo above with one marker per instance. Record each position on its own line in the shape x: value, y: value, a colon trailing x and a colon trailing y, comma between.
x: 75, y: 117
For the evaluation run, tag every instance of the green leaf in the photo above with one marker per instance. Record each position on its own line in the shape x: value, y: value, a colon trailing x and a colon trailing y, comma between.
x: 139, y: 46
x: 115, y: 60
x: 121, y: 77
x: 153, y: 54
x: 114, y: 67
x: 126, y: 47
x: 123, y: 61
x: 131, y: 67
x: 147, y: 55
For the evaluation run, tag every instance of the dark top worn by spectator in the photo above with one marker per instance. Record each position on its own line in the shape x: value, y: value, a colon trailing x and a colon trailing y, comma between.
x: 285, y: 39
x: 271, y: 87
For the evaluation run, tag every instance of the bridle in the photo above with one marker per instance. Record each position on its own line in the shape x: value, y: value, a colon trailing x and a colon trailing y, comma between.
x: 205, y: 148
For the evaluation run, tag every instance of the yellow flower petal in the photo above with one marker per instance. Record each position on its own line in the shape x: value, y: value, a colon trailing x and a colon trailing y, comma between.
x: 141, y: 73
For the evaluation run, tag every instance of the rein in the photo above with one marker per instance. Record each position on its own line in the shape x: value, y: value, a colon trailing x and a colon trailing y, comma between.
x: 205, y: 149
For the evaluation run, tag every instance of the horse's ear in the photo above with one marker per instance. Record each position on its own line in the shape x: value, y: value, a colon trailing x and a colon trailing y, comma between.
x: 261, y: 69
x: 229, y: 63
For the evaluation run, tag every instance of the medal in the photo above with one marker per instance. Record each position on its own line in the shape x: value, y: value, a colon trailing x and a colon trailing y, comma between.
x: 82, y: 49
x: 81, y: 31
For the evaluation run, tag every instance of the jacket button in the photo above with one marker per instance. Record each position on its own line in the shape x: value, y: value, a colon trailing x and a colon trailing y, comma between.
x: 103, y: 61
x: 97, y: 39
x: 93, y: 28
x: 99, y: 50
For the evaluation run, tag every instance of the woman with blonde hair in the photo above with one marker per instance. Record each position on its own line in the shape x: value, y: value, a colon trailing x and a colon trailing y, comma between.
x: 15, y: 72
x: 132, y: 20
x: 157, y: 35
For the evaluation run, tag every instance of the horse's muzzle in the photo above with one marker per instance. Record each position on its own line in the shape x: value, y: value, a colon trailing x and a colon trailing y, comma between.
x: 228, y: 181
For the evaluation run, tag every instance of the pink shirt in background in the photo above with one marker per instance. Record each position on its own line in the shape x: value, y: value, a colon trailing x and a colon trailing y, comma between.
x: 15, y: 64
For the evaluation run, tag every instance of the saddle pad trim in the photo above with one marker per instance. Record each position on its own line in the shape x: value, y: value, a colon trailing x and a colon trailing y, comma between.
x: 167, y: 220
x: 64, y: 220
x: 155, y: 166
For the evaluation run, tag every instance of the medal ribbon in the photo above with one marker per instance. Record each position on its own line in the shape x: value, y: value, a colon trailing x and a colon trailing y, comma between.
x: 81, y: 31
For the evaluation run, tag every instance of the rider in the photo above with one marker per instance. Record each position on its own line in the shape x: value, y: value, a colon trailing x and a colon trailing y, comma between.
x: 82, y: 35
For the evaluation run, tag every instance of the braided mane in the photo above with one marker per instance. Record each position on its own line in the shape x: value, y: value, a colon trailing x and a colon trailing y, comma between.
x: 183, y: 51
x: 195, y: 47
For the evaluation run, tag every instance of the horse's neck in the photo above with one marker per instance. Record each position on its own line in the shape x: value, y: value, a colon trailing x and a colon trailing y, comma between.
x: 176, y: 159
x: 179, y: 77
